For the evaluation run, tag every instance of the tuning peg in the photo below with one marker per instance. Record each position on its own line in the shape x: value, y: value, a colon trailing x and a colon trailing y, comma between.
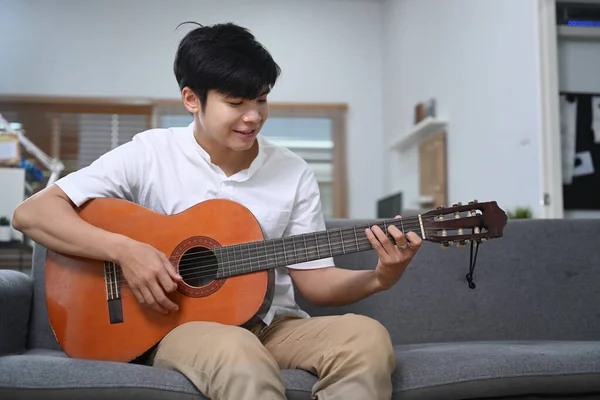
x: 445, y: 245
x: 456, y: 204
x: 472, y: 201
x: 462, y: 243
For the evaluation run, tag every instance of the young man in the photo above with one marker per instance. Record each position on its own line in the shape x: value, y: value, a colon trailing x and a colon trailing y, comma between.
x: 225, y: 77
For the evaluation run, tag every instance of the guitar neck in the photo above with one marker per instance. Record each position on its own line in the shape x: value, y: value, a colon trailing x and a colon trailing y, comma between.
x: 273, y: 253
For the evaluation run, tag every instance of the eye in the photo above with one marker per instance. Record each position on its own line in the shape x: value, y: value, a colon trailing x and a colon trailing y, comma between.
x: 236, y: 103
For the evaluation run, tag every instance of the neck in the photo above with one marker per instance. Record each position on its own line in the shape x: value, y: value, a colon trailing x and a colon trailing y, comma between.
x: 273, y: 253
x: 230, y: 161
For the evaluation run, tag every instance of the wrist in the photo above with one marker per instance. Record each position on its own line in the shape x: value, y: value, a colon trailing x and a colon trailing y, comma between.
x: 119, y: 248
x: 375, y: 284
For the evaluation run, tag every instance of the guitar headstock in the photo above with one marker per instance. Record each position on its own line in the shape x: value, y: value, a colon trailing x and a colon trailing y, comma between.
x: 460, y: 224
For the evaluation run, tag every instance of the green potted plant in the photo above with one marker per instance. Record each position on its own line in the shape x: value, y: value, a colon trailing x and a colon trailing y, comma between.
x: 520, y: 213
x: 5, y: 229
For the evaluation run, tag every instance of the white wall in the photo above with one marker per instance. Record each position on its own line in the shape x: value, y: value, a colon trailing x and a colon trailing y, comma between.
x: 484, y: 75
x: 330, y: 51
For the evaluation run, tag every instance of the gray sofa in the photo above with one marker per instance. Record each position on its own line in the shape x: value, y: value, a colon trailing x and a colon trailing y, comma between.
x: 530, y: 329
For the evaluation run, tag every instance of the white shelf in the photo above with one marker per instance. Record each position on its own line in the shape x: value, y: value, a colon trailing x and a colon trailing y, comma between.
x: 420, y: 132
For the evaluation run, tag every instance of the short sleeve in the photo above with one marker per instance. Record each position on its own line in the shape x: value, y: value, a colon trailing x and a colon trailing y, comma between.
x: 116, y: 174
x: 307, y: 217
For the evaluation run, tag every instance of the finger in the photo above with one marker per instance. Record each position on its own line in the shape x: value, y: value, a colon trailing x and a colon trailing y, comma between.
x: 138, y: 295
x: 150, y: 301
x: 398, y: 236
x: 414, y: 240
x: 382, y: 240
x: 171, y: 269
x: 376, y: 244
x: 161, y: 297
x: 166, y: 281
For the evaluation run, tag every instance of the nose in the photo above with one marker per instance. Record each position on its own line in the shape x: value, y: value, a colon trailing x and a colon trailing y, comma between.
x: 252, y: 116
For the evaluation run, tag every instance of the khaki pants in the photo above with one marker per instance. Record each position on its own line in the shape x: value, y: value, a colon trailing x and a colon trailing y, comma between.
x: 351, y: 354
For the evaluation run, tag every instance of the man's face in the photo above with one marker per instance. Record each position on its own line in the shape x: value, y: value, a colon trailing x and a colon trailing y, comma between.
x: 232, y: 122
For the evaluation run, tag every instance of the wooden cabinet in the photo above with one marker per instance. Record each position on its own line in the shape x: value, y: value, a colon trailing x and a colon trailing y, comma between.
x: 433, y: 171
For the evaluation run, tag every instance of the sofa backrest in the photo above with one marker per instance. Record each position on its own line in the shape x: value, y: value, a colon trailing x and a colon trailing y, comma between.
x: 540, y: 281
x: 40, y: 332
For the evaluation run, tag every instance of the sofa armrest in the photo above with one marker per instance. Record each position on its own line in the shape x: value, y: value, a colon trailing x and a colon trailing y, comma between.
x: 16, y: 290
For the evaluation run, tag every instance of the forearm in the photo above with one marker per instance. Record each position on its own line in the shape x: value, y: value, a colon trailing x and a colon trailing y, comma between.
x: 336, y: 286
x: 52, y: 222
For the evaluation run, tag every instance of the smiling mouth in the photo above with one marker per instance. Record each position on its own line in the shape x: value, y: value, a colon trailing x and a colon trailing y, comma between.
x: 247, y: 133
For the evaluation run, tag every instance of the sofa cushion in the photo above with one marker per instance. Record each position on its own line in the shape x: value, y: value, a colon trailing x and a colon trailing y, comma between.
x: 426, y: 372
x: 496, y: 369
x: 50, y: 374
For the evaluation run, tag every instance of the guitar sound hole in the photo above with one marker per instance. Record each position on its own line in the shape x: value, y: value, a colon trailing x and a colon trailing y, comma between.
x: 198, y: 266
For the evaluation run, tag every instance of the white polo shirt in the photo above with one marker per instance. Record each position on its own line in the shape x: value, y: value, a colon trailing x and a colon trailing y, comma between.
x: 167, y: 171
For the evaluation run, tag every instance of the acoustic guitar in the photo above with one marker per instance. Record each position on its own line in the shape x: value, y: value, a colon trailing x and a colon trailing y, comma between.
x: 227, y: 267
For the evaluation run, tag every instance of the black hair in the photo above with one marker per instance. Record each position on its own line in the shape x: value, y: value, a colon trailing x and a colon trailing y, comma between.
x: 225, y: 58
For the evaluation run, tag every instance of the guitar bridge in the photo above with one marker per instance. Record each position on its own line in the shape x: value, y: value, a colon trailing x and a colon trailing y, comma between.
x: 113, y: 292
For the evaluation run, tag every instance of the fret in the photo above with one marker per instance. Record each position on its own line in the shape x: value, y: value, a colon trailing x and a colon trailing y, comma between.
x: 305, y: 247
x: 225, y: 258
x: 312, y: 246
x: 233, y: 265
x: 363, y: 242
x: 342, y: 237
x: 259, y: 256
x: 246, y: 257
x: 329, y: 243
x: 356, y: 238
x: 317, y: 245
x: 335, y: 241
x: 284, y: 252
x: 297, y: 259
x: 288, y: 249
x: 274, y: 252
x: 323, y: 245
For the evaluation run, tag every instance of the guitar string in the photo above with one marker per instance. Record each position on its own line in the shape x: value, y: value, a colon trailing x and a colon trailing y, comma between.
x: 225, y: 265
x: 246, y: 247
x: 226, y: 268
x: 344, y: 233
x: 200, y: 272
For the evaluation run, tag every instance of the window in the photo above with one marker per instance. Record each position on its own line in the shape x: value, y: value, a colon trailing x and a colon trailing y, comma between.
x: 78, y: 131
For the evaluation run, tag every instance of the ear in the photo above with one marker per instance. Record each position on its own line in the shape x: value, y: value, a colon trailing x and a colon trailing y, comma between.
x: 190, y: 100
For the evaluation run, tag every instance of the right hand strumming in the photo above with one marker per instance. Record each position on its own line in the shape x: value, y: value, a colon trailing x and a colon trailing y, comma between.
x: 150, y: 275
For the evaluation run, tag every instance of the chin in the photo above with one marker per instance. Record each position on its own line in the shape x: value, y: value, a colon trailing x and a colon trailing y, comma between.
x: 242, y: 143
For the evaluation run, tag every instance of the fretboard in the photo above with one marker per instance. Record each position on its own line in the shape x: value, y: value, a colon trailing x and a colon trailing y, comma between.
x: 281, y: 252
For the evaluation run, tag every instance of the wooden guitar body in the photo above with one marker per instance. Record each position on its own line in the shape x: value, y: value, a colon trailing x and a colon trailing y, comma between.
x: 94, y: 314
